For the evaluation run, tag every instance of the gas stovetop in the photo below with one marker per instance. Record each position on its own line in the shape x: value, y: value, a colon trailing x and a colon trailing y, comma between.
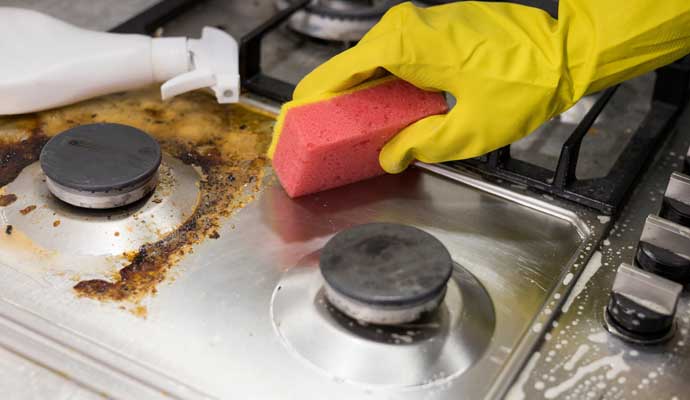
x: 215, y: 284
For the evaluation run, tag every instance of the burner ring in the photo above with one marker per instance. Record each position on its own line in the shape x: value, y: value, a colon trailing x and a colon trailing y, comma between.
x: 437, y: 349
x: 385, y: 273
x: 381, y: 315
x: 101, y: 165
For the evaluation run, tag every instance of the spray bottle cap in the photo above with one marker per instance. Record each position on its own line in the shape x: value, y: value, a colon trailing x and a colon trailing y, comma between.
x: 212, y: 62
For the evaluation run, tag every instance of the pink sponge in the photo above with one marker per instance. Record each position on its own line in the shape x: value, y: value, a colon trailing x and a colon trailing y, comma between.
x: 337, y: 141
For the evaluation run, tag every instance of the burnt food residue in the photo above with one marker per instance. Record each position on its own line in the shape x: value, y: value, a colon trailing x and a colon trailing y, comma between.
x: 226, y: 143
x: 7, y: 199
x: 27, y: 209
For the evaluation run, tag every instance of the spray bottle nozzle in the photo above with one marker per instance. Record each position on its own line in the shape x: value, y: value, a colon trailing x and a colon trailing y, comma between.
x: 212, y: 64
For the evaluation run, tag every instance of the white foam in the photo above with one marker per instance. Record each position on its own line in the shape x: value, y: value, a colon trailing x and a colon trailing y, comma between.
x: 590, y: 269
x: 601, y: 337
x: 517, y: 392
x: 568, y: 278
x: 616, y: 365
x: 536, y: 328
x: 603, y: 218
x: 577, y: 356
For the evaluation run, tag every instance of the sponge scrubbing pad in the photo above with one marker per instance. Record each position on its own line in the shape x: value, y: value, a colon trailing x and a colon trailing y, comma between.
x: 336, y: 140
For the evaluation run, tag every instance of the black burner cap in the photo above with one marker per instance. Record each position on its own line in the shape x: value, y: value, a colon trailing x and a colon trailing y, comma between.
x: 386, y: 264
x: 100, y: 157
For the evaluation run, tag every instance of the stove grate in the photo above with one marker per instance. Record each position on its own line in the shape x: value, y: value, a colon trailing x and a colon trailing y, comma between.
x: 608, y: 193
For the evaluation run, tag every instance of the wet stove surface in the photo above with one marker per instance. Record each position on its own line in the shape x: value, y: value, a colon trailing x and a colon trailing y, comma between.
x: 181, y: 292
x: 577, y: 358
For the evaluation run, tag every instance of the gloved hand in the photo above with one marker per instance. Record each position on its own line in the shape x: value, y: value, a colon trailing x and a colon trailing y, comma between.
x: 510, y: 67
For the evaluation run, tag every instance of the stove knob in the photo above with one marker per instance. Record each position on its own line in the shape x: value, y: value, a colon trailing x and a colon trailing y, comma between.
x: 676, y: 204
x: 642, y: 306
x: 664, y: 249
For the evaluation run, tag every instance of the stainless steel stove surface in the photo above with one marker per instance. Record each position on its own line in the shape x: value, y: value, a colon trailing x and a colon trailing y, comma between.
x: 245, y: 315
x: 245, y: 309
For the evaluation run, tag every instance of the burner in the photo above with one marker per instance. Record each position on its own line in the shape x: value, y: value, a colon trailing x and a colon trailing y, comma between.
x: 337, y: 20
x: 385, y: 273
x: 101, y: 165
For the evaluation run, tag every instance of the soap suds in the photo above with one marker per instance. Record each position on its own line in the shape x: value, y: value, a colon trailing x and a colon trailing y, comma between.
x: 517, y: 392
x: 601, y: 337
x: 603, y: 218
x: 579, y: 353
x: 616, y: 365
x: 568, y: 278
x: 536, y: 328
x: 590, y: 269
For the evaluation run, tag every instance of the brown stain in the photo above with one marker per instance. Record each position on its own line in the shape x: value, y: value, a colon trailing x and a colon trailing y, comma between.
x: 14, y: 156
x: 27, y: 209
x: 7, y: 199
x: 56, y: 223
x: 226, y: 142
x: 25, y: 248
x: 140, y: 311
x: 117, y: 233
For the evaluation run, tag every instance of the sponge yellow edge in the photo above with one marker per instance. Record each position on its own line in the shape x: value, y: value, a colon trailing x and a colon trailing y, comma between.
x: 278, y: 127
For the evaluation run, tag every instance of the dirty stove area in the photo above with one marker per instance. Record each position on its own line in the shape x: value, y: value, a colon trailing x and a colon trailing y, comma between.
x: 214, y: 159
x: 209, y: 287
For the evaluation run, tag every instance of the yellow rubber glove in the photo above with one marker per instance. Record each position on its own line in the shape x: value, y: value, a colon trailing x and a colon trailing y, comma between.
x: 510, y: 67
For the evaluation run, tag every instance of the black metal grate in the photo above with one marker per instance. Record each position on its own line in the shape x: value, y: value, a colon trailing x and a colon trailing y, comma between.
x: 147, y: 21
x: 605, y: 194
x: 253, y: 79
x: 256, y: 81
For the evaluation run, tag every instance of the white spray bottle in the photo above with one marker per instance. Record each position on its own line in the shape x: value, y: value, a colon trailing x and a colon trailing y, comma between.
x: 45, y: 63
